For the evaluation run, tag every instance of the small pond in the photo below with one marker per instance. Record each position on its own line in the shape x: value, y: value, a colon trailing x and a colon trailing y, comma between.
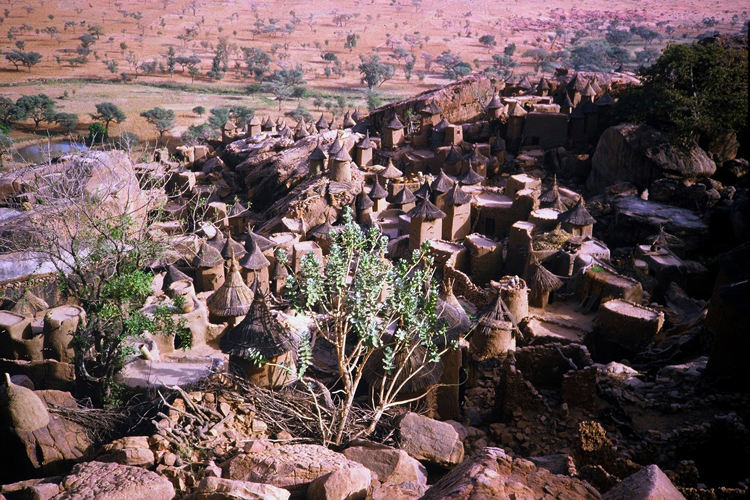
x: 40, y: 153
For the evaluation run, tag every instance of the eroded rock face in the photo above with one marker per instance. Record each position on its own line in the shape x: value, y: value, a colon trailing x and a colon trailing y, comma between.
x: 292, y: 466
x: 640, y: 154
x: 95, y: 480
x: 426, y: 439
x: 490, y: 473
x: 130, y: 450
x: 346, y: 484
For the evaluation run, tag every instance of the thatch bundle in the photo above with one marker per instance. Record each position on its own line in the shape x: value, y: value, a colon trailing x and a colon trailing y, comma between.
x: 425, y: 210
x: 578, y: 215
x: 208, y: 256
x: 442, y: 183
x: 391, y: 172
x: 258, y: 333
x: 470, y: 177
x: 378, y: 192
x: 404, y: 197
x: 424, y: 190
x: 457, y: 196
x: 540, y: 280
x: 233, y: 298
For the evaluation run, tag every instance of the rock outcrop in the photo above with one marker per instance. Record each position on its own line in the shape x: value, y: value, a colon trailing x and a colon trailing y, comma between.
x: 214, y: 488
x: 490, y: 473
x: 292, y: 466
x: 640, y: 155
x: 429, y: 440
x: 94, y: 480
x: 648, y: 484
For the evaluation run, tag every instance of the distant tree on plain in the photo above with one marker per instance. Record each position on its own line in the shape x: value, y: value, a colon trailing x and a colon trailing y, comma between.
x: 108, y: 112
x: 160, y: 118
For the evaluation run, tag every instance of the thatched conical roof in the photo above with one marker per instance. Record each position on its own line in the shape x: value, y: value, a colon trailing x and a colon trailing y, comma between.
x: 605, y: 100
x: 391, y: 172
x: 254, y: 258
x: 237, y: 210
x: 494, y: 314
x: 550, y: 198
x: 378, y: 192
x: 425, y: 210
x: 588, y: 91
x: 258, y: 333
x: 366, y: 143
x: 577, y: 84
x: 543, y: 84
x: 578, y: 215
x: 301, y: 133
x: 342, y: 155
x: 567, y: 103
x: 268, y: 123
x: 349, y: 122
x: 29, y: 304
x: 454, y: 156
x: 424, y: 190
x: 233, y: 298
x: 457, y: 196
x: 394, y: 123
x: 404, y: 196
x: 173, y: 274
x: 335, y: 146
x: 218, y: 240
x: 363, y: 201
x: 495, y: 103
x: 232, y: 249
x: 524, y: 84
x: 476, y: 158
x: 516, y: 109
x: 442, y: 183
x: 263, y: 242
x: 207, y: 257
x: 595, y: 85
x: 318, y: 153
x: 470, y: 177
x: 431, y: 108
x: 254, y: 121
x: 441, y: 126
x: 322, y: 123
x: 540, y: 280
x: 449, y: 311
x: 664, y: 239
x: 497, y: 145
x: 321, y: 231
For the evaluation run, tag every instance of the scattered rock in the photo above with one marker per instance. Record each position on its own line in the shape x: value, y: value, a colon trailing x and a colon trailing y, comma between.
x: 131, y: 450
x: 95, y: 480
x: 388, y: 465
x: 214, y: 488
x: 426, y: 439
x: 648, y: 484
x: 491, y: 474
x: 346, y: 484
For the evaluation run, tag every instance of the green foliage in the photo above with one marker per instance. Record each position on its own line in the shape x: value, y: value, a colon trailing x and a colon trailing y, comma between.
x: 68, y: 121
x: 300, y: 113
x: 6, y: 145
x: 258, y: 61
x: 346, y: 294
x: 97, y: 133
x: 697, y: 93
x: 375, y: 73
x: 162, y: 119
x: 107, y: 112
x: 199, y: 110
x: 38, y: 107
x: 373, y: 101
x: 240, y: 115
x: 20, y: 58
x: 488, y: 41
x: 454, y: 67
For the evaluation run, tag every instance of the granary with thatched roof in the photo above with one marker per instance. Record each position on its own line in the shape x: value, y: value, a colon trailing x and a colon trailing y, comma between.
x: 404, y: 199
x: 363, y: 153
x: 340, y: 166
x: 578, y: 221
x: 541, y: 283
x: 209, y: 268
x: 495, y: 333
x: 232, y: 299
x: 378, y: 195
x: 425, y: 223
x: 364, y: 205
x: 238, y: 217
x: 260, y: 348
x: 550, y: 197
x: 254, y: 264
x: 457, y: 207
x: 392, y: 133
x: 254, y: 127
x: 318, y: 159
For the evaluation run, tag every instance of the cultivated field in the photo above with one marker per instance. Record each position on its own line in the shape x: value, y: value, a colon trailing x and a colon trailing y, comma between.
x: 125, y: 58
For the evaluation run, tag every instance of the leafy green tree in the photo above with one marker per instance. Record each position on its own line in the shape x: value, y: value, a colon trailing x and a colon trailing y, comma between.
x: 375, y: 73
x: 591, y: 56
x: 454, y: 67
x: 108, y: 112
x: 397, y: 336
x: 299, y: 113
x: 68, y: 121
x: 98, y: 242
x: 258, y: 61
x: 199, y: 110
x: 38, y: 108
x: 240, y: 115
x: 171, y: 60
x: 509, y: 49
x: 488, y: 41
x: 162, y: 119
x: 19, y: 58
x: 6, y: 109
x: 618, y: 37
x: 697, y: 93
x: 373, y: 100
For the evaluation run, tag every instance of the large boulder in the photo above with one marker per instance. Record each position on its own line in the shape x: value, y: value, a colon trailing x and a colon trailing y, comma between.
x: 490, y: 473
x: 429, y: 440
x: 388, y: 465
x: 640, y: 155
x: 291, y: 466
x: 352, y: 483
x: 93, y: 480
x: 215, y: 488
x: 130, y: 450
x: 648, y: 484
x: 36, y: 442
